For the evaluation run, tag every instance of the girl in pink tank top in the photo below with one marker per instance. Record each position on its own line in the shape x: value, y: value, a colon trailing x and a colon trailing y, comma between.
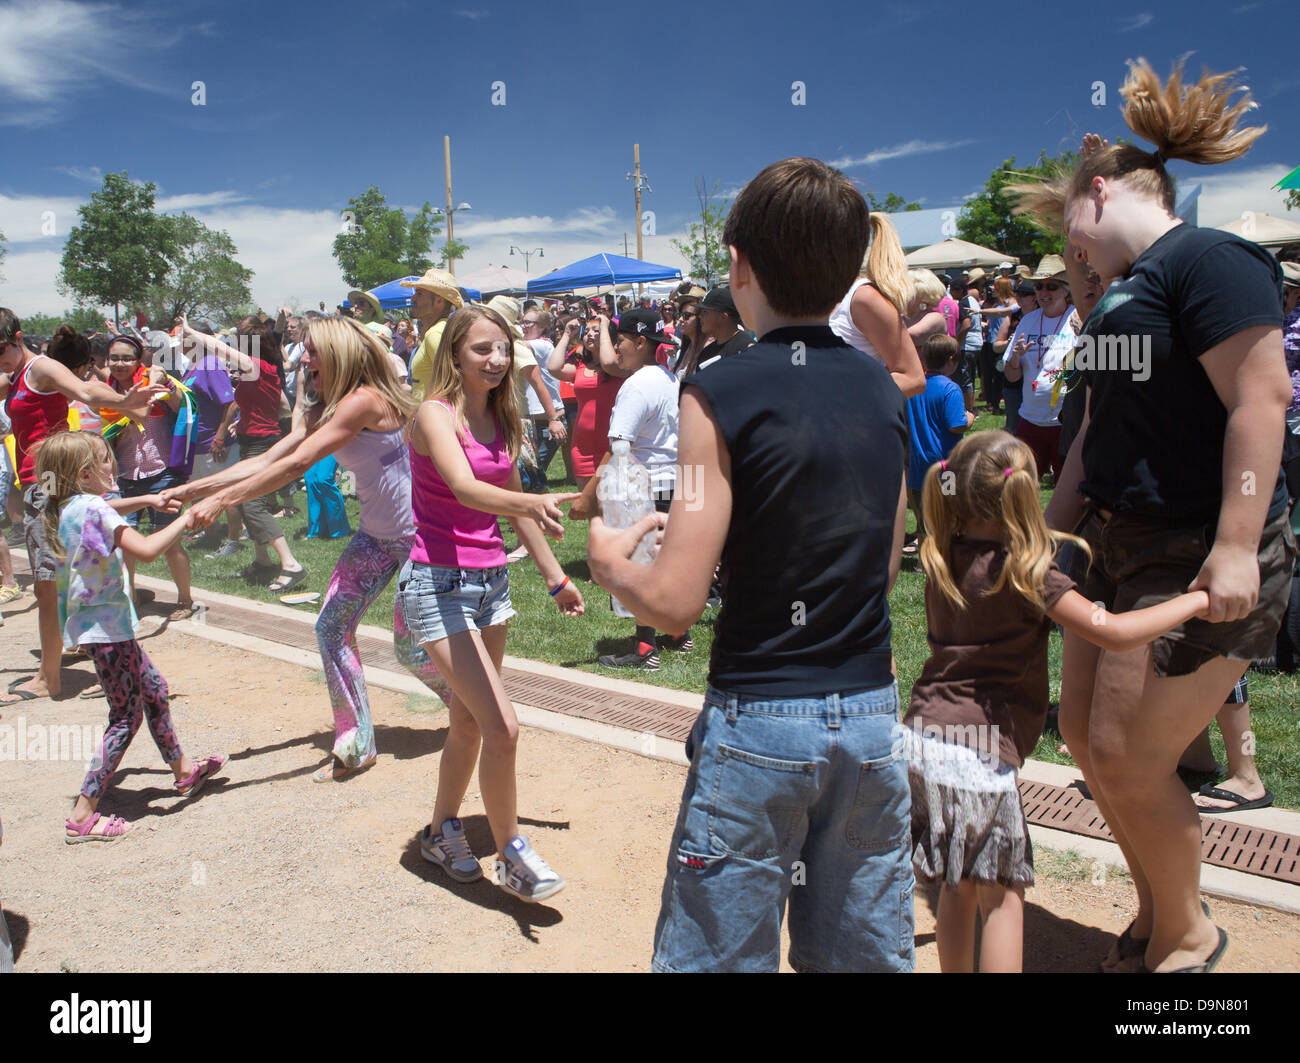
x: 454, y: 592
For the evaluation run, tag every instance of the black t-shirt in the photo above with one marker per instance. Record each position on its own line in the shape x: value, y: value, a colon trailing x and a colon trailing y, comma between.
x: 1154, y: 446
x: 739, y: 342
x: 816, y: 437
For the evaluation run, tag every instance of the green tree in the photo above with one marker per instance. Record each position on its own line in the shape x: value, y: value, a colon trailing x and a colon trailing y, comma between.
x: 988, y: 220
x: 703, y: 247
x: 893, y: 203
x: 450, y: 251
x: 1293, y: 199
x: 120, y: 249
x: 84, y: 319
x: 204, y: 279
x: 379, y: 244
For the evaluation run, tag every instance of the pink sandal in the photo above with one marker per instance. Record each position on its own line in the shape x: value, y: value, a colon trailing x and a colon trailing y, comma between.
x: 115, y: 829
x: 204, y: 769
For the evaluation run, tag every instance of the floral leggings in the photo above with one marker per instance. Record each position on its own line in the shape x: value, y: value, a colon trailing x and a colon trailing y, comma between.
x: 365, y: 568
x: 135, y: 690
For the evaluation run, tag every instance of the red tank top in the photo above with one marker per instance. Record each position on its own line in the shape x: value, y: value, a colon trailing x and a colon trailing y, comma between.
x: 34, y: 416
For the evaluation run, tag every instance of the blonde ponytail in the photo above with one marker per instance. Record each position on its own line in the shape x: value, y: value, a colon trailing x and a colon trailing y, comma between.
x: 885, y: 265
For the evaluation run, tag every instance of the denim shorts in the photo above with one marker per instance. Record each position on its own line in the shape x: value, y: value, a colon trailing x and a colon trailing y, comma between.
x: 804, y: 800
x: 439, y: 602
x: 151, y: 485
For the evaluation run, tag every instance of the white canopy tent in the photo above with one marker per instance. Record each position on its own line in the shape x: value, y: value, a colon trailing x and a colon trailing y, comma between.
x: 1263, y: 229
x: 494, y: 280
x: 951, y: 253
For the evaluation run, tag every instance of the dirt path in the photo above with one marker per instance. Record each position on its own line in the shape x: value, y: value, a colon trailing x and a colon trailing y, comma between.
x: 266, y: 871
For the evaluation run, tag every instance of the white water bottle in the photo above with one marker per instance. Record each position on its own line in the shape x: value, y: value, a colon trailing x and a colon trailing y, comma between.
x: 625, y: 497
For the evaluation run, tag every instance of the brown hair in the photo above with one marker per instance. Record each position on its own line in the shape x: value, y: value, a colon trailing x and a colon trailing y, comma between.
x: 10, y: 326
x: 939, y: 348
x: 268, y: 340
x: 69, y: 348
x: 804, y: 227
x: 1198, y: 123
x: 1004, y: 289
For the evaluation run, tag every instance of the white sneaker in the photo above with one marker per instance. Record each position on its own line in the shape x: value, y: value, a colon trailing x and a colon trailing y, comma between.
x: 526, y: 875
x: 451, y: 852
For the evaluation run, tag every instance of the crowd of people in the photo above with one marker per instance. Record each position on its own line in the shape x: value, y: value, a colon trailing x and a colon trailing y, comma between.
x: 786, y: 421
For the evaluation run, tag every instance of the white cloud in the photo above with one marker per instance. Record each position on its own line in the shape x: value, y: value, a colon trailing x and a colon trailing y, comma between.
x: 1130, y: 23
x: 55, y: 47
x: 898, y: 151
x: 28, y: 287
x: 22, y: 219
x: 197, y: 201
x: 1226, y: 196
x: 290, y: 251
x: 92, y: 175
x: 473, y: 16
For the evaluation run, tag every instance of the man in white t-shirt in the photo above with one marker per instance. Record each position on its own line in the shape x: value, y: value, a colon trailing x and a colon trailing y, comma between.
x: 1035, y: 357
x: 645, y: 414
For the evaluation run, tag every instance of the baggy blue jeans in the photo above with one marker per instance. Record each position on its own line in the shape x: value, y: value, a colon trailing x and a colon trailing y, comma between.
x: 798, y: 800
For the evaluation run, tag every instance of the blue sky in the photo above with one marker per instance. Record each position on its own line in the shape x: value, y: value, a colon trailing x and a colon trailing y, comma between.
x: 308, y: 104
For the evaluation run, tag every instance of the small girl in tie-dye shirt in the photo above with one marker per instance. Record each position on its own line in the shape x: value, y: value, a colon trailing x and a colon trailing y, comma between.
x: 74, y: 469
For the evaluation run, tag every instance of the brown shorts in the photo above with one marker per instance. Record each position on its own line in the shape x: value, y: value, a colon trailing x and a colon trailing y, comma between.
x: 1137, y: 563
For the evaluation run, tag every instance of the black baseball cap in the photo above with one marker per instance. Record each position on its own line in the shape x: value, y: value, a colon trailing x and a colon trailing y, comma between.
x: 719, y: 299
x: 641, y: 322
x: 1024, y: 288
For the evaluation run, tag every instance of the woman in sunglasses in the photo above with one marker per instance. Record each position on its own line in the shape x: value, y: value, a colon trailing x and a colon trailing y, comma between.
x: 1034, y: 360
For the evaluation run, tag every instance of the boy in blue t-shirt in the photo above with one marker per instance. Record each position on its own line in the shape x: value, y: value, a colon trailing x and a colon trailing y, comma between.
x: 935, y: 420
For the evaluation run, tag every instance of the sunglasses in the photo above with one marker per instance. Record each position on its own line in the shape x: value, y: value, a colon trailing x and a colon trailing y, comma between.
x: 686, y: 315
x: 1052, y: 287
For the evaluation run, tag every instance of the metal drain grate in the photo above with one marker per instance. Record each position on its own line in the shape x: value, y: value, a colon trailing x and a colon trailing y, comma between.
x: 1253, y: 850
x: 544, y: 692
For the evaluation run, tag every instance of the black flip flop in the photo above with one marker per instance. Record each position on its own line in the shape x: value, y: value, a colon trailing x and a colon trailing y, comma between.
x: 1210, y: 962
x: 1240, y: 804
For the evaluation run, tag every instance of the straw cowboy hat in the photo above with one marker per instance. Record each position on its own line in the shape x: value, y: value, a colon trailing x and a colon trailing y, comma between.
x: 975, y: 276
x: 1051, y: 268
x: 1291, y: 274
x: 440, y: 282
x: 509, y: 309
x: 371, y: 310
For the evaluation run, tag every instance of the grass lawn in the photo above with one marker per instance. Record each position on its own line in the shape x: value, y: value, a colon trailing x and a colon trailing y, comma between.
x: 541, y: 633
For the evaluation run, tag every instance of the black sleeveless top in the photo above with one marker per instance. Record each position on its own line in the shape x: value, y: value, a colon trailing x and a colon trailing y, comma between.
x: 816, y: 432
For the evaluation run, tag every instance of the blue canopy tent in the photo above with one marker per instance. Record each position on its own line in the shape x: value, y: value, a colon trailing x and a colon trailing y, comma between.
x: 600, y: 270
x: 392, y: 295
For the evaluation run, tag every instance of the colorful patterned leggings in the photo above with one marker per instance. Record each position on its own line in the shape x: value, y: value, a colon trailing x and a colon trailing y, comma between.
x: 134, y: 689
x: 365, y: 568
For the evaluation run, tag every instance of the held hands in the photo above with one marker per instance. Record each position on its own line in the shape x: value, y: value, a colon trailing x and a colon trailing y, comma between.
x: 558, y: 432
x: 1230, y: 576
x: 164, y: 504
x: 581, y: 509
x: 206, y: 511
x: 136, y: 402
x: 545, y: 509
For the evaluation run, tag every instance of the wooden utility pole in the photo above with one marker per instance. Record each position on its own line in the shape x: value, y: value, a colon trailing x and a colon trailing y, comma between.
x: 636, y: 157
x: 446, y: 154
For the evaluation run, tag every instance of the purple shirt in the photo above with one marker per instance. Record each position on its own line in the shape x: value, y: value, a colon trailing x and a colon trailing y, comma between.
x: 210, y: 382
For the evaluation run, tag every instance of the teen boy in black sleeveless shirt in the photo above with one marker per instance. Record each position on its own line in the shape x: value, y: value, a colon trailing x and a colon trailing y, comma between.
x: 796, y: 790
